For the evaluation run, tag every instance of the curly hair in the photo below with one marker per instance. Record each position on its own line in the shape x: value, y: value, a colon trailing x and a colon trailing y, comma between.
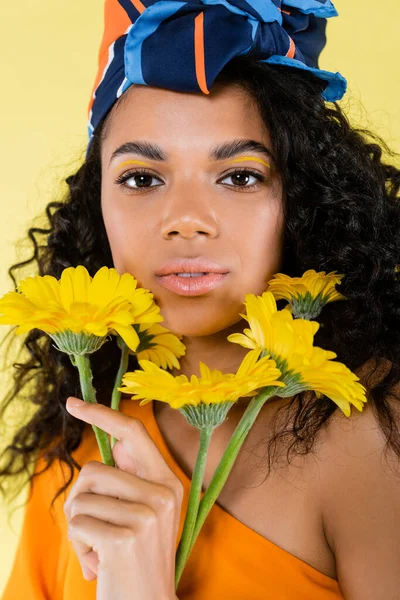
x: 341, y: 212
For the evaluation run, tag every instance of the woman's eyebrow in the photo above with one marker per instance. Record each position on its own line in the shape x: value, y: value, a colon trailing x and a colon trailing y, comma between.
x: 235, y: 147
x: 219, y: 152
x: 146, y: 149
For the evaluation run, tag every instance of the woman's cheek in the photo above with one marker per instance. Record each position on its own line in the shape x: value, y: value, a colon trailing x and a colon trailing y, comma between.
x: 261, y: 255
x: 129, y: 246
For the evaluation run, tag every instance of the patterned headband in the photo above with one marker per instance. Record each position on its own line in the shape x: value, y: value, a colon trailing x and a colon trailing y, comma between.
x: 183, y: 45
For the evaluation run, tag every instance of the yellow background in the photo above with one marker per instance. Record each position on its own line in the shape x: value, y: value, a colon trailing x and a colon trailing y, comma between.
x: 48, y: 63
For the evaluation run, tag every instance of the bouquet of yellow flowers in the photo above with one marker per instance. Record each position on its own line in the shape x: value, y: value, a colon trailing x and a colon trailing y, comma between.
x: 80, y: 313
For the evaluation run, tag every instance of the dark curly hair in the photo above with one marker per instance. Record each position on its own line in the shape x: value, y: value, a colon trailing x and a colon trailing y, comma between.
x: 341, y: 213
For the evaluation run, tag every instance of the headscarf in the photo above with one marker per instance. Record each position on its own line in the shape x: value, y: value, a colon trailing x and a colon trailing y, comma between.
x: 183, y: 45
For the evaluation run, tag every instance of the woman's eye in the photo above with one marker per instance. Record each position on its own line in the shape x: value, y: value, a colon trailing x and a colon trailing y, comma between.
x: 136, y: 180
x: 243, y: 178
x: 240, y: 179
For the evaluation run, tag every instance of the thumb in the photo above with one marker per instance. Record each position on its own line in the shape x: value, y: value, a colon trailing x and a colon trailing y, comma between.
x: 122, y: 459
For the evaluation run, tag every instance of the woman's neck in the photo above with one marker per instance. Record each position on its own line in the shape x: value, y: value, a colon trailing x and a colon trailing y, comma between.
x: 213, y: 350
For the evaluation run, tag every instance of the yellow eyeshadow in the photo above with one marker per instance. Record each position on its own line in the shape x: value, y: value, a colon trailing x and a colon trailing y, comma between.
x: 130, y: 162
x: 263, y: 162
x: 139, y: 162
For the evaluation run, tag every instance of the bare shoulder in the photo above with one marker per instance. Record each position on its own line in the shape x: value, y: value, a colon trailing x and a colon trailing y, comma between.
x: 358, y: 440
x: 359, y: 499
x: 357, y: 444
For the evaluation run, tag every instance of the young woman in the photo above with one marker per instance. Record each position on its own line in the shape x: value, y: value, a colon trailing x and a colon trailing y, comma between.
x: 256, y: 175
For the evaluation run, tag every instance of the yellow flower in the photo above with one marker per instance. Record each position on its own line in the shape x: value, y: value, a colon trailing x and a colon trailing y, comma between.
x: 307, y: 294
x: 160, y: 346
x: 212, y: 387
x: 289, y: 342
x: 78, y: 304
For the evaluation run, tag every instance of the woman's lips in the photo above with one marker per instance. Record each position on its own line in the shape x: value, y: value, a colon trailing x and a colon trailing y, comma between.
x: 193, y: 285
x: 191, y: 276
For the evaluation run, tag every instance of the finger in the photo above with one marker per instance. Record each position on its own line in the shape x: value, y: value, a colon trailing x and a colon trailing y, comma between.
x: 104, y: 480
x: 88, y: 559
x: 137, y: 517
x: 110, y: 542
x: 110, y: 510
x: 131, y: 432
x: 90, y: 567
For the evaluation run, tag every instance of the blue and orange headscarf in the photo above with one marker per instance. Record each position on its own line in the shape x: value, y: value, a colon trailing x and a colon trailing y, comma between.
x: 183, y: 45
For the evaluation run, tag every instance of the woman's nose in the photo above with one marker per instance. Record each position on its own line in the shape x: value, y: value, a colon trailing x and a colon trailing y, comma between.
x: 188, y: 213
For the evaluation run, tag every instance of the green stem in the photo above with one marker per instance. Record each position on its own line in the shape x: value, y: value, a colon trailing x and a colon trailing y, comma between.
x: 123, y: 367
x: 193, y: 502
x: 82, y: 363
x: 228, y: 458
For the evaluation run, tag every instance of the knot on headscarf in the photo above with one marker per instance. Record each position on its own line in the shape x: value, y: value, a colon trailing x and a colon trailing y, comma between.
x: 183, y: 45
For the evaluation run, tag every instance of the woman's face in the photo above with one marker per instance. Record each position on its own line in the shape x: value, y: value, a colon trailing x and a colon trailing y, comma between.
x: 188, y: 188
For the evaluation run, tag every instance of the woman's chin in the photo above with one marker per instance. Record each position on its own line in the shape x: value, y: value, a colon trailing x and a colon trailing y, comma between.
x: 193, y: 329
x: 200, y: 325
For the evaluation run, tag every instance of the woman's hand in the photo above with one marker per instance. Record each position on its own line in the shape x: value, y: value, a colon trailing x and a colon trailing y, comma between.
x: 123, y: 521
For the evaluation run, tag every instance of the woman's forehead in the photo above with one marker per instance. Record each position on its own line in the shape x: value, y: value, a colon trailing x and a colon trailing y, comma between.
x: 177, y: 120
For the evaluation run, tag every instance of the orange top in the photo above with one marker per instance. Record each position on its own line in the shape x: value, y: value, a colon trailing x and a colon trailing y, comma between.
x: 229, y: 560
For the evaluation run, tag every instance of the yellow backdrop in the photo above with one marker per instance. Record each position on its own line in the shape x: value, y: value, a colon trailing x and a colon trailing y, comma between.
x: 48, y: 60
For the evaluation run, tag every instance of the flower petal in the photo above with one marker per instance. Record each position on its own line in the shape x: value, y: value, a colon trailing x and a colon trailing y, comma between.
x: 128, y: 334
x: 242, y: 340
x: 41, y: 291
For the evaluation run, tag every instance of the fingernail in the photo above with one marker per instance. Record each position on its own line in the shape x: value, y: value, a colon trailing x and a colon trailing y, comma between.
x: 75, y: 402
